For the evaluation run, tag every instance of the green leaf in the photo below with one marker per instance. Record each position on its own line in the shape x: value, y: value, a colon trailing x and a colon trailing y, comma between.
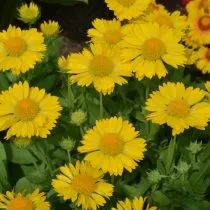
x: 23, y: 185
x: 4, y: 83
x: 18, y: 155
x: 169, y: 158
x: 161, y: 198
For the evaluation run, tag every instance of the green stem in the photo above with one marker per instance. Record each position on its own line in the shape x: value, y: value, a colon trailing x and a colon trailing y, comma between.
x: 69, y: 155
x: 81, y: 130
x: 101, y: 106
x: 70, y: 97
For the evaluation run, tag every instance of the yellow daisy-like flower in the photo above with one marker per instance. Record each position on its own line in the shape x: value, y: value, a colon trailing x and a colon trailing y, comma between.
x: 28, y: 112
x: 189, y: 42
x: 200, y: 28
x: 102, y: 67
x: 63, y: 63
x: 191, y: 55
x: 127, y: 9
x: 148, y: 45
x: 29, y: 13
x: 20, y: 50
x: 50, y: 28
x: 178, y: 107
x: 196, y: 6
x: 33, y: 201
x: 108, y: 31
x: 82, y: 184
x: 113, y: 145
x: 135, y: 204
x: 203, y: 62
x: 174, y: 20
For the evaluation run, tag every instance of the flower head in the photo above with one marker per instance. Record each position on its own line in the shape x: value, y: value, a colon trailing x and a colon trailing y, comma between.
x: 127, y: 9
x: 113, y: 145
x: 135, y: 204
x: 29, y: 13
x: 20, y: 50
x: 50, y: 28
x: 28, y: 111
x: 148, y: 46
x: 82, y: 184
x: 203, y: 60
x: 108, y: 31
x: 33, y: 201
x: 178, y: 107
x: 102, y: 67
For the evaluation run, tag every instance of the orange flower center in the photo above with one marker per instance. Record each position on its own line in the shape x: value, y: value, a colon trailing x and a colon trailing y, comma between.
x: 20, y: 203
x: 208, y: 55
x: 204, y: 23
x: 101, y: 65
x: 111, y: 144
x: 26, y: 109
x: 178, y: 108
x: 15, y: 46
x: 153, y: 49
x: 113, y: 36
x: 84, y: 184
x: 163, y: 19
x: 126, y: 3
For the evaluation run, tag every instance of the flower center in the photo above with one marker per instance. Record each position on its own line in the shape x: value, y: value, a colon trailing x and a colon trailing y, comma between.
x: 113, y: 36
x: 101, y: 65
x: 126, y: 3
x: 208, y: 55
x: 204, y: 23
x: 178, y: 108
x: 15, y: 46
x: 84, y: 184
x: 162, y: 19
x: 111, y: 144
x: 20, y: 203
x: 153, y: 49
x: 26, y: 110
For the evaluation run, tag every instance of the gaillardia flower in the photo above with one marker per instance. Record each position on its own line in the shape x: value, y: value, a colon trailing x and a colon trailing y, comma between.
x: 102, y: 67
x: 178, y: 107
x: 108, y: 31
x: 203, y: 60
x: 148, y: 46
x: 50, y: 28
x: 174, y: 20
x: 28, y: 112
x: 29, y: 13
x: 200, y: 28
x: 127, y: 9
x: 113, y: 145
x: 19, y: 201
x: 135, y: 204
x: 196, y: 6
x: 20, y: 50
x: 83, y: 185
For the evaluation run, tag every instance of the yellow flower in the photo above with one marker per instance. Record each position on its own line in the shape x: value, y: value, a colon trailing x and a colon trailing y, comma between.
x: 196, y: 6
x: 153, y: 6
x: 127, y: 9
x: 20, y: 50
x: 203, y: 62
x: 135, y: 204
x: 200, y: 28
x: 29, y: 13
x: 28, y: 112
x: 113, y: 145
x: 83, y: 185
x: 178, y: 107
x: 108, y: 31
x: 33, y: 201
x: 49, y: 29
x: 148, y: 45
x: 63, y: 63
x: 173, y: 20
x: 189, y: 42
x: 191, y: 55
x: 102, y: 67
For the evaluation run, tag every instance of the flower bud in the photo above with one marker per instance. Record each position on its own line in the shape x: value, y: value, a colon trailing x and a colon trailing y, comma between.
x: 22, y: 142
x: 195, y: 147
x: 67, y: 144
x: 78, y: 117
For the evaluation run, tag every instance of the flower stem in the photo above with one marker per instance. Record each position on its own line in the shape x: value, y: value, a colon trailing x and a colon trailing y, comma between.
x: 101, y: 106
x: 69, y: 155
